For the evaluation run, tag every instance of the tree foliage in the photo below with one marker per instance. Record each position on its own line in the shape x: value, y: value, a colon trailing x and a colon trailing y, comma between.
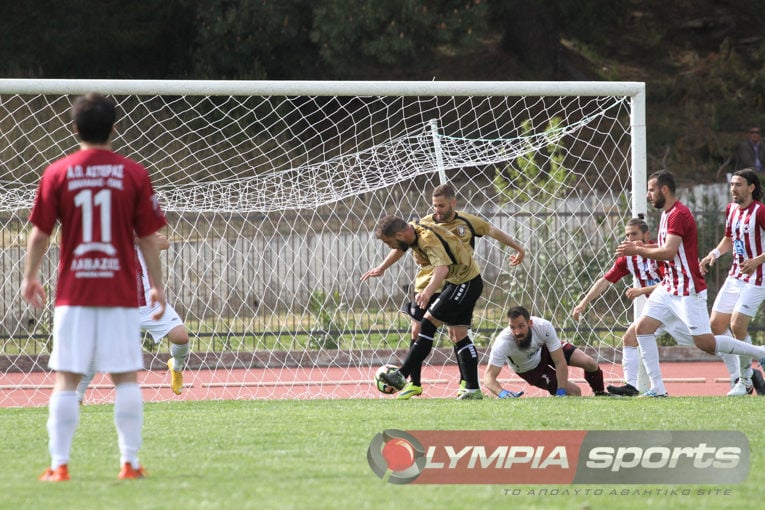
x: 355, y: 37
x: 687, y: 52
x: 103, y: 39
x: 254, y: 39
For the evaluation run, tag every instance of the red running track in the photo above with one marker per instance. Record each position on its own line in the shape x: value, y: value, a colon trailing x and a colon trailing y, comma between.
x: 33, y: 389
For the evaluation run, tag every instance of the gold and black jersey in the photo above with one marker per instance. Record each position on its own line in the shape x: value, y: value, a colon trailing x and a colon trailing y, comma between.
x: 464, y: 225
x: 439, y: 247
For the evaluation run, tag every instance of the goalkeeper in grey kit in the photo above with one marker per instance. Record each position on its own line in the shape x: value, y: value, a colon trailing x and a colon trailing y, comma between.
x: 532, y: 349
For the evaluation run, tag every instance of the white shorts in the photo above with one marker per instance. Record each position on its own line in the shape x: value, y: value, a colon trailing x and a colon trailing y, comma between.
x: 105, y: 338
x: 158, y: 329
x: 679, y: 333
x: 740, y: 297
x: 671, y: 310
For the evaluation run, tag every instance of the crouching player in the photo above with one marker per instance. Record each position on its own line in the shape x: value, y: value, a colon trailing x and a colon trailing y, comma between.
x: 533, y: 350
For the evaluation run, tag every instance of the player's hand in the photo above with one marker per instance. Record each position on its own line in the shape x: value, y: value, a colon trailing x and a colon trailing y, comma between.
x: 577, y: 311
x: 157, y: 298
x: 423, y: 298
x: 628, y: 248
x: 515, y: 260
x: 33, y: 293
x: 706, y: 261
x: 632, y: 293
x: 748, y: 266
x: 372, y: 273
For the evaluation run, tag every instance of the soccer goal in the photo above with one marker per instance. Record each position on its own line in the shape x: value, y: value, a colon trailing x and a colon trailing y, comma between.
x: 273, y: 189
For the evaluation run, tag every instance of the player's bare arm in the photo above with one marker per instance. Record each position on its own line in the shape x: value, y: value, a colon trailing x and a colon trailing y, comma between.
x: 32, y: 290
x: 634, y: 292
x: 490, y: 379
x: 150, y: 248
x: 508, y: 240
x: 390, y: 259
x: 651, y: 251
x: 439, y: 275
x: 722, y: 247
x: 561, y: 367
x: 598, y: 288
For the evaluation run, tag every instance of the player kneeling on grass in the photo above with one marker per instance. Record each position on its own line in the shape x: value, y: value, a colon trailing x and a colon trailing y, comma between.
x: 533, y: 350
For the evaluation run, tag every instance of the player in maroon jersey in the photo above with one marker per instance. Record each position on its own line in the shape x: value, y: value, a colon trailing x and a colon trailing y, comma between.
x: 682, y: 296
x: 104, y: 202
x: 647, y: 274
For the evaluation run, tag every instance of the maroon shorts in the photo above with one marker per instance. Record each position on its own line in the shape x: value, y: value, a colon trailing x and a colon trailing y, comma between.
x: 543, y: 376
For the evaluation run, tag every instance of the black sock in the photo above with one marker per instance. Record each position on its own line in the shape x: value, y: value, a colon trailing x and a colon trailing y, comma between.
x: 595, y: 380
x: 468, y: 359
x: 459, y: 364
x: 420, y: 349
x: 415, y: 373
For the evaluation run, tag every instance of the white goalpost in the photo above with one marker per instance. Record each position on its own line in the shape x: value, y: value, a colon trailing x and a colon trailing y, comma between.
x: 273, y: 189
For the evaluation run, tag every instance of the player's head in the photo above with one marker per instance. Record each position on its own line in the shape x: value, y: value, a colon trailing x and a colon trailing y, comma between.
x: 94, y: 115
x: 743, y: 184
x: 444, y: 202
x: 520, y: 326
x: 637, y: 230
x: 393, y: 230
x: 660, y: 185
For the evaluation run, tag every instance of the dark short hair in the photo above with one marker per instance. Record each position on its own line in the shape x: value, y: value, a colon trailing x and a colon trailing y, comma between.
x: 664, y: 178
x: 94, y: 115
x: 444, y: 190
x: 638, y: 222
x: 518, y: 311
x: 751, y: 178
x: 389, y: 226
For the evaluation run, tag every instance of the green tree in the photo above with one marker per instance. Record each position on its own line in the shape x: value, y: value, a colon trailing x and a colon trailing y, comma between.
x: 255, y: 39
x: 358, y: 39
x: 532, y: 174
x: 104, y: 39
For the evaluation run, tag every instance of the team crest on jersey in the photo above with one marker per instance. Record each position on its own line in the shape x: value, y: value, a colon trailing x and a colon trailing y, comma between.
x: 461, y: 230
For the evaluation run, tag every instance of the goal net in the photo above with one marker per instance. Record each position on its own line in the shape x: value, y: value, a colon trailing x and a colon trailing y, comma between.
x: 273, y: 189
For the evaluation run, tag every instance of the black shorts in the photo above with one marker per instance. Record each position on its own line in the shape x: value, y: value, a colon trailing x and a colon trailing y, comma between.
x: 415, y: 312
x: 454, y: 307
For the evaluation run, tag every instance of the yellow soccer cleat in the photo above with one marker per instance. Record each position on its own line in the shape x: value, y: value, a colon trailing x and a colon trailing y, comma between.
x: 176, y: 378
x: 409, y: 391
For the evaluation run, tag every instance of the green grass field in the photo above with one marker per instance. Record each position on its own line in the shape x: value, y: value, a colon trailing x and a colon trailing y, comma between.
x: 312, y: 454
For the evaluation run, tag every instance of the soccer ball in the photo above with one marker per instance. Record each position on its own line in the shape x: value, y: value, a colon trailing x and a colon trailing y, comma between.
x: 380, y: 382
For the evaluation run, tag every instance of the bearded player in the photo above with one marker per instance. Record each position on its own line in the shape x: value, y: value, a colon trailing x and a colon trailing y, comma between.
x: 532, y: 349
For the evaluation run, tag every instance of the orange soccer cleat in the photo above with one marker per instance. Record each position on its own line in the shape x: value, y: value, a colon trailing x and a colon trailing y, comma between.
x: 128, y: 472
x: 60, y: 474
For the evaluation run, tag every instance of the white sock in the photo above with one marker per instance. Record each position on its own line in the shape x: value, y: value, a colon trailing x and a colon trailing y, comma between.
x: 731, y: 364
x: 63, y: 418
x: 179, y: 352
x: 730, y: 345
x: 745, y: 362
x: 128, y: 418
x: 631, y: 365
x: 649, y: 351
